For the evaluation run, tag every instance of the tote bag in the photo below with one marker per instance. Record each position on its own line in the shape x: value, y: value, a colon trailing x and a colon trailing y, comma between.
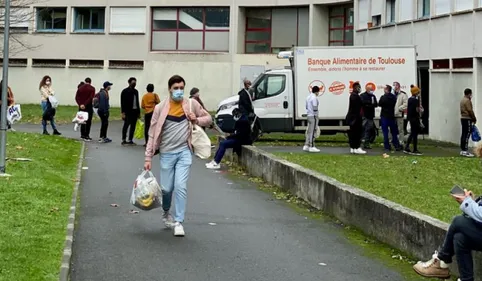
x: 200, y: 141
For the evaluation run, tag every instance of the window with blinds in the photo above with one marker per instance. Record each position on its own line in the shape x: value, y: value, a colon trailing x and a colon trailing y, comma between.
x: 128, y: 20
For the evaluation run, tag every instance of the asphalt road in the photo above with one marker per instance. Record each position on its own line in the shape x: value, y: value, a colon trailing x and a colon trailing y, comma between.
x: 233, y: 231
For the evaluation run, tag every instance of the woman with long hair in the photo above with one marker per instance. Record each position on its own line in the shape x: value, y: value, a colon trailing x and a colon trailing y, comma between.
x: 45, y: 88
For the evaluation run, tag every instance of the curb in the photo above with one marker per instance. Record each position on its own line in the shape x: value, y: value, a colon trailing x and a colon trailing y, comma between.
x: 69, y: 238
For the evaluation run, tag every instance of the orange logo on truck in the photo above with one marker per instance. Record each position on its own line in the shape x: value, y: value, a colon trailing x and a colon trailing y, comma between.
x: 320, y: 85
x: 337, y: 88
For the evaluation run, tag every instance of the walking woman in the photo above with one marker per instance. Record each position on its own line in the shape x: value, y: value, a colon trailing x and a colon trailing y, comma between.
x: 171, y: 134
x: 148, y: 103
x: 46, y: 91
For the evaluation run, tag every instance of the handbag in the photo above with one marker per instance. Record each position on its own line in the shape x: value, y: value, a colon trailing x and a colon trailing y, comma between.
x: 200, y: 141
x: 475, y: 134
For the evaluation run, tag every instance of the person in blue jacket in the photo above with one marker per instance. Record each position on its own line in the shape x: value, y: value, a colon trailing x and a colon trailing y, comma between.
x: 241, y: 136
x: 103, y: 111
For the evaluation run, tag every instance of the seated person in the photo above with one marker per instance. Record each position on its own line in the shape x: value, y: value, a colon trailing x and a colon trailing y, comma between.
x: 463, y: 236
x: 241, y: 136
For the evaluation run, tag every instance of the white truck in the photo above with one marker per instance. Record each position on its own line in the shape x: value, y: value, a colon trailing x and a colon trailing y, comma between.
x: 279, y: 94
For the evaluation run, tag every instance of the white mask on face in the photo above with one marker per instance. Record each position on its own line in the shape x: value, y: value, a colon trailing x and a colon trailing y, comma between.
x: 47, y: 83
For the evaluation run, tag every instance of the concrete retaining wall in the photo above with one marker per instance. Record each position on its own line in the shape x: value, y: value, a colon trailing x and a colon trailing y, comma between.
x: 404, y: 229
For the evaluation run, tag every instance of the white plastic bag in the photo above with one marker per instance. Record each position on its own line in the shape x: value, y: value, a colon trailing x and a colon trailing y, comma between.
x: 200, y: 141
x: 81, y: 117
x: 146, y: 192
x: 53, y: 101
x: 317, y: 132
x: 14, y: 113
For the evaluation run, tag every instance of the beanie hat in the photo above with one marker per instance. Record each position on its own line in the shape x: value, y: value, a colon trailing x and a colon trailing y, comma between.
x: 414, y: 89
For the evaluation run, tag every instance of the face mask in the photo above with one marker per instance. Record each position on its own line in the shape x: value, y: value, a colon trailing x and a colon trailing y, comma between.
x: 47, y: 83
x: 177, y: 95
x: 236, y: 118
x: 370, y: 92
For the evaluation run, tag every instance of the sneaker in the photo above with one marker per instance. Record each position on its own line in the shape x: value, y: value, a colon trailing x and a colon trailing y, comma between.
x: 306, y: 148
x: 107, y: 140
x: 213, y: 166
x: 11, y: 129
x: 45, y: 133
x: 167, y: 219
x: 313, y: 149
x: 101, y: 140
x: 417, y: 153
x: 86, y: 139
x: 57, y: 133
x: 209, y: 163
x: 179, y: 230
x: 131, y: 143
x: 359, y: 151
x: 466, y: 154
x: 124, y: 142
x: 352, y: 151
x: 434, y: 268
x: 407, y: 151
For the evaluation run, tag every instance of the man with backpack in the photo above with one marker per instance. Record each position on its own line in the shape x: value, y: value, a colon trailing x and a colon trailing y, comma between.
x: 101, y: 103
x: 84, y: 96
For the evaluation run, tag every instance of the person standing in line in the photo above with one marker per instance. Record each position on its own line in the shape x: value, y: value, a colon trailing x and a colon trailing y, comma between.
x: 413, y: 116
x: 311, y: 105
x: 467, y: 119
x: 45, y: 88
x: 354, y: 120
x: 148, y: 103
x: 387, y: 116
x: 84, y: 98
x: 400, y: 109
x: 103, y: 111
x: 245, y: 103
x: 369, y: 103
x: 194, y: 94
x: 130, y: 109
x: 171, y: 134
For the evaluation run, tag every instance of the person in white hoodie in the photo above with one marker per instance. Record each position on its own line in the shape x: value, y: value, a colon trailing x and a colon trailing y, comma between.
x: 400, y: 110
x: 312, y: 103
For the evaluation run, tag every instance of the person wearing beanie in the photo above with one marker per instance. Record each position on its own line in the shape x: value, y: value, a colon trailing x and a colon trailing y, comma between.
x: 148, y: 103
x: 354, y: 120
x: 103, y: 111
x: 312, y: 103
x: 413, y: 117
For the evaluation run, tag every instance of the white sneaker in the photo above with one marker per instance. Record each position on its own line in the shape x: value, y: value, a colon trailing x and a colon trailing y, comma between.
x: 306, y: 148
x: 466, y: 154
x: 167, y: 219
x: 213, y: 166
x: 209, y: 163
x: 352, y: 151
x: 179, y: 230
x: 313, y: 149
x: 359, y: 151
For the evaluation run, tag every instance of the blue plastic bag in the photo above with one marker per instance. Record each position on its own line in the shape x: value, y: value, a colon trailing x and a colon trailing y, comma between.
x: 475, y: 134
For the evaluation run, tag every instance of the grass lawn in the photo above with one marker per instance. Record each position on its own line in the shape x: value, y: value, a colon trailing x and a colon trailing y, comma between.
x: 419, y: 183
x: 32, y: 113
x: 35, y: 204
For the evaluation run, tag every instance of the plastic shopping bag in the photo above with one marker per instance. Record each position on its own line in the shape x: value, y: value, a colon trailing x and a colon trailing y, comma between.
x: 146, y: 192
x: 200, y: 141
x: 80, y: 118
x: 139, y: 132
x: 14, y: 114
x: 317, y: 132
x: 53, y: 101
x: 475, y: 134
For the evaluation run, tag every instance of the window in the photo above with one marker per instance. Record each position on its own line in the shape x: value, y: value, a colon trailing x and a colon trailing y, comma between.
x: 363, y: 19
x: 269, y: 86
x: 442, y: 6
x: 128, y: 20
x: 48, y: 63
x: 190, y: 29
x: 15, y: 62
x: 465, y: 63
x: 51, y: 19
x: 406, y: 10
x: 341, y: 26
x: 424, y: 8
x: 19, y: 19
x: 463, y: 5
x: 126, y: 64
x: 390, y: 16
x: 86, y: 63
x: 275, y: 30
x: 441, y: 64
x: 89, y: 19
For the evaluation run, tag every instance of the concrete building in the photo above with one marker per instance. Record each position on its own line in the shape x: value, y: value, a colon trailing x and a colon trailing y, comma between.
x: 449, y: 51
x: 213, y: 44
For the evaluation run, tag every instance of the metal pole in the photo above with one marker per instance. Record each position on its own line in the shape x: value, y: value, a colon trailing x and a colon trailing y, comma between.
x: 3, y: 109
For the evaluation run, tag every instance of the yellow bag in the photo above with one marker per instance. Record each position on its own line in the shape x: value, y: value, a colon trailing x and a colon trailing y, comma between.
x: 139, y: 132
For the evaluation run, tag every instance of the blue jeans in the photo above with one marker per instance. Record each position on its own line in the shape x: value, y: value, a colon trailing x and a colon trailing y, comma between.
x: 44, y: 123
x: 390, y: 123
x: 175, y: 168
x: 225, y: 144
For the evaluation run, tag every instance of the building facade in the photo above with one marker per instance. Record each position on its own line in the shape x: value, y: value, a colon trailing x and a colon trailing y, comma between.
x: 213, y: 44
x: 449, y: 51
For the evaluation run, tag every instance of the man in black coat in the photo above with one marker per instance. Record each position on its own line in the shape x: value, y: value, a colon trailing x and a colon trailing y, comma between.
x: 130, y: 109
x: 388, y: 119
x: 245, y: 103
x: 354, y: 120
x: 369, y: 103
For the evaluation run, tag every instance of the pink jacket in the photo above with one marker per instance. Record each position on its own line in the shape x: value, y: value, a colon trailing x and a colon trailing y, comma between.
x: 159, y: 117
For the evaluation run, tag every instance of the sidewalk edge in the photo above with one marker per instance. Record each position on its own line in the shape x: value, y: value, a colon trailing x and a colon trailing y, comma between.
x: 69, y: 238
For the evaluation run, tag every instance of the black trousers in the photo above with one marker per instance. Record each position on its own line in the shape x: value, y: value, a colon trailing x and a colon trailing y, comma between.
x: 414, y: 132
x: 104, y: 124
x: 129, y: 123
x: 85, y: 128
x: 147, y: 125
x: 355, y: 133
x: 465, y: 136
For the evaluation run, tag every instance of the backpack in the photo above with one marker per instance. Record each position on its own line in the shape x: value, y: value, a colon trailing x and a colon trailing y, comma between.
x: 95, y: 100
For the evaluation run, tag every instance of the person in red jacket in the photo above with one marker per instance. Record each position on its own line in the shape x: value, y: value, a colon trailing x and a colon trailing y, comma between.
x: 84, y: 96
